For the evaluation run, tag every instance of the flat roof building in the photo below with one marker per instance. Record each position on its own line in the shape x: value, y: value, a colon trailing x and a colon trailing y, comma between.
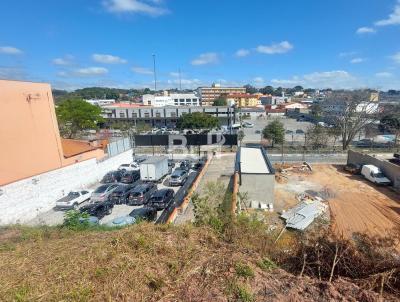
x: 256, y: 177
x: 209, y: 94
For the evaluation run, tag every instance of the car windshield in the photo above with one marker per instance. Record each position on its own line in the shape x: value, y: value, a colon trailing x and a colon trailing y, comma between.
x: 135, y: 194
x: 157, y: 198
x: 379, y: 175
x: 101, y: 189
x: 73, y: 194
x: 124, y: 165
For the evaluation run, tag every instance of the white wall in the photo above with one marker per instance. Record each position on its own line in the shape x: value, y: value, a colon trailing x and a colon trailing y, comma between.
x: 23, y: 200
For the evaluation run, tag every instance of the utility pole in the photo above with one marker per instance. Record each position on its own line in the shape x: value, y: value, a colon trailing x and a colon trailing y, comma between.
x: 154, y: 70
x: 180, y: 80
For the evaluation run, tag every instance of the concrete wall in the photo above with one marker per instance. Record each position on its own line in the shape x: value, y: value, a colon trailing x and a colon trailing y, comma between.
x: 23, y: 200
x: 391, y: 171
x: 259, y: 187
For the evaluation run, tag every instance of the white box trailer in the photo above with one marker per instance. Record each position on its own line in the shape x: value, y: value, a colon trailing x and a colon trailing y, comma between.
x: 154, y: 168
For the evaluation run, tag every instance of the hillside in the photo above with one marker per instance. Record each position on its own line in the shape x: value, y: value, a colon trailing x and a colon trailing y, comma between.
x: 154, y: 263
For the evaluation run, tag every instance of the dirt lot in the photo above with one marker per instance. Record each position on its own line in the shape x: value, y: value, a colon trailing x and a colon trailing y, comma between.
x: 356, y: 205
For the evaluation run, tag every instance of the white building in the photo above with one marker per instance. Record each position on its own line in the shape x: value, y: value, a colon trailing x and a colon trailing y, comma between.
x: 101, y: 102
x: 174, y: 99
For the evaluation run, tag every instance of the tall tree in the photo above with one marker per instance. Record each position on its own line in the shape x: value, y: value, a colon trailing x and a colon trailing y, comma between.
x: 351, y: 111
x: 390, y: 122
x: 267, y: 90
x: 274, y: 132
x: 317, y: 137
x: 76, y: 115
x: 197, y: 120
x: 221, y: 101
x: 250, y: 89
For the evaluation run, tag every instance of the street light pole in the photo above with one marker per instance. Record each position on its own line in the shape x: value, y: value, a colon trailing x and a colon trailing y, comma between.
x: 154, y: 70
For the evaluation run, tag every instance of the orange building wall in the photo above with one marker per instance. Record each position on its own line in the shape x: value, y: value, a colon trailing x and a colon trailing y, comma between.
x: 30, y: 142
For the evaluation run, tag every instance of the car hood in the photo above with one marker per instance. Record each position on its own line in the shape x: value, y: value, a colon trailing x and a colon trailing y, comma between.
x: 382, y: 180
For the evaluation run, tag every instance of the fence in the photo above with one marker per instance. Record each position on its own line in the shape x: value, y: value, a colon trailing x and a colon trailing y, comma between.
x: 118, y: 147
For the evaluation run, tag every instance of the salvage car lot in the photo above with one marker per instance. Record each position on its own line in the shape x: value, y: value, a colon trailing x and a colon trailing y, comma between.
x: 56, y: 217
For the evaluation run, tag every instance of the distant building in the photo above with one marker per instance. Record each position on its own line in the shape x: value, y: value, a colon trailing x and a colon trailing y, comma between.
x: 162, y: 116
x: 99, y: 102
x: 209, y: 94
x: 252, y: 111
x: 175, y: 99
x: 274, y: 100
x: 243, y: 100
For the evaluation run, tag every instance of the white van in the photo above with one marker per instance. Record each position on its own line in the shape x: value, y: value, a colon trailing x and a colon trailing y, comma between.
x: 373, y: 174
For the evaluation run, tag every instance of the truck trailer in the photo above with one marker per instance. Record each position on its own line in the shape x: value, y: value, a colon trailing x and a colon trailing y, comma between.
x: 154, y: 169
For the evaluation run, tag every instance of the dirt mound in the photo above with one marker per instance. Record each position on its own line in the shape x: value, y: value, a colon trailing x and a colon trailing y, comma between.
x: 152, y: 263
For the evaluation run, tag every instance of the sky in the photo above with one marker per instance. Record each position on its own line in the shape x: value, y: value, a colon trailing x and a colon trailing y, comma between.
x: 318, y: 44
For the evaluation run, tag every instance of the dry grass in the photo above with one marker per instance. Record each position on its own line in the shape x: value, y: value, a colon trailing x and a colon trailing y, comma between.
x: 152, y: 263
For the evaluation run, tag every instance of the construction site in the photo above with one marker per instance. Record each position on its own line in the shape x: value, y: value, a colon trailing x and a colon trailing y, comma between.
x: 346, y: 202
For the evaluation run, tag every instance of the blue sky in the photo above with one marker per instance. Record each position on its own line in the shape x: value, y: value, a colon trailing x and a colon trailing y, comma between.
x: 314, y: 43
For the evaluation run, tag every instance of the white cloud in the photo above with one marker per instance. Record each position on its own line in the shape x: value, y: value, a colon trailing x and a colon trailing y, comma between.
x: 9, y: 50
x: 206, y: 58
x: 186, y: 83
x: 357, y: 60
x: 92, y: 71
x: 393, y: 19
x: 242, y: 53
x: 278, y: 48
x: 347, y: 54
x: 142, y: 70
x: 396, y: 57
x: 108, y: 59
x: 65, y: 61
x: 259, y: 80
x: 337, y: 79
x: 365, y: 30
x: 12, y: 73
x: 147, y: 7
x: 174, y: 74
x: 383, y: 74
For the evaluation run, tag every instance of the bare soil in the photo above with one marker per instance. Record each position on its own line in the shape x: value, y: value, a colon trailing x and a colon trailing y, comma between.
x: 356, y: 205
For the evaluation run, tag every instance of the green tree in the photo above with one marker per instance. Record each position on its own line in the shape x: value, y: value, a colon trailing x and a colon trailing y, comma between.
x: 250, y: 89
x: 274, y: 132
x: 317, y: 137
x: 267, y: 90
x: 221, y: 101
x: 240, y: 136
x: 197, y: 120
x: 75, y: 115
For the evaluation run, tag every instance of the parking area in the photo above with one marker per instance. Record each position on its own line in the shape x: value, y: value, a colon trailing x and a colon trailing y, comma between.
x: 295, y: 129
x: 56, y: 216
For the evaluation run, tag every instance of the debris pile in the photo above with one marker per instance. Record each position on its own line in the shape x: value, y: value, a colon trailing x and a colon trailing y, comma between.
x: 302, y: 215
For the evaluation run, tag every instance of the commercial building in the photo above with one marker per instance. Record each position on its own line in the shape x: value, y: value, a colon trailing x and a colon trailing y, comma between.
x: 162, y: 116
x: 174, y: 99
x: 209, y: 94
x: 243, y: 100
x: 29, y: 135
x: 99, y: 102
x: 256, y: 177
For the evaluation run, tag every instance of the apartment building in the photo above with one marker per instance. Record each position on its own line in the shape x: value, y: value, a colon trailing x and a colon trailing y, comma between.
x: 173, y: 99
x: 162, y: 116
x: 243, y: 100
x: 209, y: 94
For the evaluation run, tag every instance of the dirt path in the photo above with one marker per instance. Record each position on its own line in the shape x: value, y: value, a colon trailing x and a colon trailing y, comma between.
x: 358, y: 205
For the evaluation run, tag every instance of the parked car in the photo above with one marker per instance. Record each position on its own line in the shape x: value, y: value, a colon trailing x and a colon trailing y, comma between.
x: 72, y: 200
x: 112, y: 177
x: 141, y: 194
x: 161, y: 199
x: 171, y: 163
x: 122, y: 221
x: 258, y: 131
x: 102, y: 193
x: 129, y: 167
x: 247, y: 125
x: 178, y: 178
x: 299, y: 131
x: 145, y: 213
x: 185, y: 165
x: 373, y: 174
x: 121, y: 193
x: 130, y: 177
x: 98, y: 210
x: 353, y: 168
x: 91, y: 220
x: 196, y: 165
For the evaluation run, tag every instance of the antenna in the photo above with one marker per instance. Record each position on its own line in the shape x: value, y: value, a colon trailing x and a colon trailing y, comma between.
x: 155, y: 75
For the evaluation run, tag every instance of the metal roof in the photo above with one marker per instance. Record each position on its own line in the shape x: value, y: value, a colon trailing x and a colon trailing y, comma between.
x: 252, y: 161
